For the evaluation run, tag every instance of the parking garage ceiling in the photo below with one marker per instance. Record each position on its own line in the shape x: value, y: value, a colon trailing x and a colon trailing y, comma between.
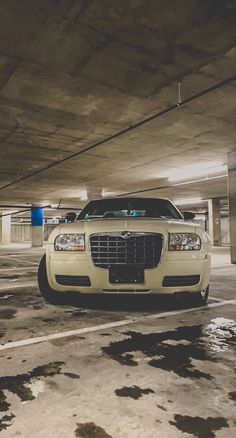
x: 74, y: 73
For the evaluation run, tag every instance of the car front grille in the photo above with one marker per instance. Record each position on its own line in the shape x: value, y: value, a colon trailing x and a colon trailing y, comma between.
x: 139, y: 249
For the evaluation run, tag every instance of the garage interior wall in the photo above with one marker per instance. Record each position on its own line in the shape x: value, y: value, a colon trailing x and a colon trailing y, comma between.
x: 22, y: 232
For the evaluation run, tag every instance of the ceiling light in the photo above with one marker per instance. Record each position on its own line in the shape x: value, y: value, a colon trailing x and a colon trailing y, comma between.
x: 189, y: 201
x: 83, y: 195
x: 198, y: 170
x: 105, y: 193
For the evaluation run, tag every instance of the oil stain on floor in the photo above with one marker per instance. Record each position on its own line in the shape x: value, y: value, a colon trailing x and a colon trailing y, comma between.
x: 134, y: 391
x: 198, y: 426
x: 90, y: 430
x: 173, y: 350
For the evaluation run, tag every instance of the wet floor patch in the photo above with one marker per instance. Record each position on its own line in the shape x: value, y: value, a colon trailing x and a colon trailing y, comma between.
x: 175, y: 350
x: 71, y: 375
x: 198, y: 426
x: 28, y: 385
x: 7, y: 313
x: 170, y: 351
x: 232, y: 395
x: 5, y: 295
x: 2, y: 332
x: 134, y: 392
x: 221, y: 334
x: 162, y: 407
x: 6, y: 421
x: 90, y: 430
x: 75, y: 313
x: 9, y: 277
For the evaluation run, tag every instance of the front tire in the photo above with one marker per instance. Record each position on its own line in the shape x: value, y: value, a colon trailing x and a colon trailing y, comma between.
x: 50, y: 295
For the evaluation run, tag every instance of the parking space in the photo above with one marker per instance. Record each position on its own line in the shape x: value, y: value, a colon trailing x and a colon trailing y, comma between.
x: 118, y: 163
x: 130, y: 366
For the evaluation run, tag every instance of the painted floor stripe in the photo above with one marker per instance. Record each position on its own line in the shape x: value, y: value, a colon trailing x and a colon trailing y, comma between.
x: 22, y: 268
x: 39, y: 339
x: 20, y: 261
x: 17, y: 286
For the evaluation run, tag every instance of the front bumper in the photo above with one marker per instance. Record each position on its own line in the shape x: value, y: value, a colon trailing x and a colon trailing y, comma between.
x: 74, y: 264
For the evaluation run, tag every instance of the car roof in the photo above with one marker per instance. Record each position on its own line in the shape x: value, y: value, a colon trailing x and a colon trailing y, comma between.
x: 129, y: 197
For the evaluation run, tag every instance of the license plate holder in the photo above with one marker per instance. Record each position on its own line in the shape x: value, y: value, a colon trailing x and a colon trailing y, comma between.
x: 126, y: 275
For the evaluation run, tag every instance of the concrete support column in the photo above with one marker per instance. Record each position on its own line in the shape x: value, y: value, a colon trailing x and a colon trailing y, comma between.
x: 214, y: 221
x: 232, y: 202
x: 5, y: 228
x: 37, y: 226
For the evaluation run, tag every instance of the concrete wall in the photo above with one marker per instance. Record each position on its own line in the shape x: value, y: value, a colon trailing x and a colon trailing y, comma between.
x: 232, y: 203
x: 22, y: 232
x: 225, y: 234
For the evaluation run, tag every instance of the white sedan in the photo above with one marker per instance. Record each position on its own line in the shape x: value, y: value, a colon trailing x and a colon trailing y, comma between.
x: 127, y: 246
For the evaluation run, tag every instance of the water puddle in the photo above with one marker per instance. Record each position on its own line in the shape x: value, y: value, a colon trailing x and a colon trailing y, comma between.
x: 220, y: 334
x: 75, y: 313
x: 90, y: 430
x: 134, y: 392
x: 198, y: 426
x: 177, y: 349
x: 232, y: 395
x: 8, y: 313
x: 29, y: 385
x: 6, y: 421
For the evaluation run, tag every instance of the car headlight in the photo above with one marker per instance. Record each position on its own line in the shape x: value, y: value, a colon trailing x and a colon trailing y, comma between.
x: 184, y: 242
x: 70, y: 242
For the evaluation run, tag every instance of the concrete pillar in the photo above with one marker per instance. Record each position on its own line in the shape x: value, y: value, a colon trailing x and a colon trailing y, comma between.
x: 232, y: 202
x: 5, y: 228
x: 37, y: 226
x: 214, y: 221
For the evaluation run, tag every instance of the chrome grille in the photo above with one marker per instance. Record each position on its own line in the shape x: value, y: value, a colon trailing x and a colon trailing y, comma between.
x: 140, y: 249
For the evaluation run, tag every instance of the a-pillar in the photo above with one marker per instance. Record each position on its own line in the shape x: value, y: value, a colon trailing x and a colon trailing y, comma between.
x: 37, y: 235
x: 214, y: 221
x: 5, y: 228
x: 232, y: 203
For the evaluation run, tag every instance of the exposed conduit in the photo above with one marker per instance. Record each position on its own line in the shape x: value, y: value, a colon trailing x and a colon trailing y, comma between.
x: 125, y: 130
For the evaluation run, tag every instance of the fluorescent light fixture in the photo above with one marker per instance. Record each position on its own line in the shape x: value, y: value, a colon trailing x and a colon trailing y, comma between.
x: 84, y: 195
x: 104, y: 193
x: 189, y: 201
x: 197, y: 170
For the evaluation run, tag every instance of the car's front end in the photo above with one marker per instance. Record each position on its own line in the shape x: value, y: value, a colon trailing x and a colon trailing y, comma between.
x: 128, y: 255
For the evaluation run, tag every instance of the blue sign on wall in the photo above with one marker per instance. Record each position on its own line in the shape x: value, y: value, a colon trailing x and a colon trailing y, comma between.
x: 36, y: 216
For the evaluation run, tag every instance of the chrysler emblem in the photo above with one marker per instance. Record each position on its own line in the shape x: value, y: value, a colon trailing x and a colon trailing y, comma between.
x: 126, y: 234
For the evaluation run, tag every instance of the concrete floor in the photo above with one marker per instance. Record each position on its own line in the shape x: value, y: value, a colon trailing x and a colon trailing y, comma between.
x: 126, y: 369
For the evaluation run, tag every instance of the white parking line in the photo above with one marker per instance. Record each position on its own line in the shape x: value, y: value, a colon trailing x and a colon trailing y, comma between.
x: 22, y: 268
x: 17, y: 286
x: 39, y: 339
x: 216, y: 299
x: 20, y: 261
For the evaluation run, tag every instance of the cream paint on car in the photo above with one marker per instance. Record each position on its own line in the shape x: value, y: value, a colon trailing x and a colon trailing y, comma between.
x: 171, y: 263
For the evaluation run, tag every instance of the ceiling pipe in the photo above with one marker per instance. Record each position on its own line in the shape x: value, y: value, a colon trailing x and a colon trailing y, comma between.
x: 177, y: 105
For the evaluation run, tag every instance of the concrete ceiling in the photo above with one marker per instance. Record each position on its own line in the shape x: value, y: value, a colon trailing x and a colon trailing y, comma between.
x: 75, y: 72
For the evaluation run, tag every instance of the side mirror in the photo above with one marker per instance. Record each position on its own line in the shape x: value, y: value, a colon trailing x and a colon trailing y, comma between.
x: 70, y: 217
x: 188, y: 215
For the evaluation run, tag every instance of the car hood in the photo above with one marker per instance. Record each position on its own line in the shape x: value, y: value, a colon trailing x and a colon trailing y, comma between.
x: 92, y: 226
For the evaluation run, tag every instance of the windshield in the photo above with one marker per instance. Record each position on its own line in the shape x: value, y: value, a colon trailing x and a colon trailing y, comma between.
x: 130, y: 208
